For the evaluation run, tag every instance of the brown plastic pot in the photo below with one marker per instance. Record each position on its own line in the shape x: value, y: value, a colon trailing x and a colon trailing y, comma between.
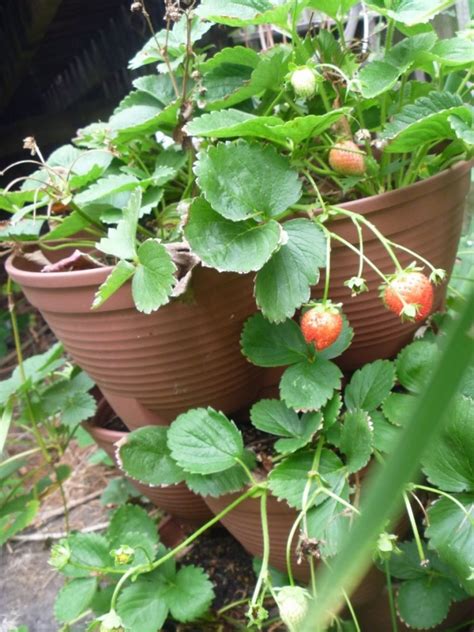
x: 176, y: 500
x: 151, y: 367
x: 244, y: 524
x: 425, y: 217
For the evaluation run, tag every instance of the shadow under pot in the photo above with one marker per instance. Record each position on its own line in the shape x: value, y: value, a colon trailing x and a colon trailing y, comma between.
x: 153, y: 367
x: 176, y: 500
x: 244, y: 524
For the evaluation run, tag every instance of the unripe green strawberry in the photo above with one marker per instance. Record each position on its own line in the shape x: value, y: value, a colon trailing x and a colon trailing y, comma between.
x: 322, y: 325
x: 347, y: 159
x: 304, y: 82
x: 409, y: 294
x: 293, y: 605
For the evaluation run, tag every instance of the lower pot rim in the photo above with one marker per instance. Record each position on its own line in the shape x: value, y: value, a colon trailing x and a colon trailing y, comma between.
x: 96, y: 276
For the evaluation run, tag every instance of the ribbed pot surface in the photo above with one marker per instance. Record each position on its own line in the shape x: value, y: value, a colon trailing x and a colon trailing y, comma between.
x: 176, y: 500
x: 244, y: 524
x: 426, y: 218
x: 151, y: 367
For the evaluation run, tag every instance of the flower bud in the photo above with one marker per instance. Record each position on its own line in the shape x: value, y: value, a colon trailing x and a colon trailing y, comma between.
x: 123, y: 555
x: 304, y: 82
x: 60, y: 555
x: 293, y: 605
x: 111, y: 622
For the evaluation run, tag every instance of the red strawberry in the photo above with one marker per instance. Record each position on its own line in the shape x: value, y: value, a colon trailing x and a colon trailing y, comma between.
x: 410, y: 295
x: 321, y: 325
x: 346, y: 158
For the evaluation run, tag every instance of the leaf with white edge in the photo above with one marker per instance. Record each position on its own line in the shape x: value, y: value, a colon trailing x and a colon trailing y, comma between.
x: 423, y: 603
x: 308, y: 385
x: 449, y: 463
x: 120, y: 274
x: 272, y: 416
x: 341, y: 344
x: 144, y: 455
x: 106, y: 186
x: 154, y: 276
x: 386, y: 435
x: 230, y: 246
x: 244, y: 12
x: 141, y: 607
x: 424, y: 121
x: 74, y: 598
x: 356, y: 441
x: 456, y: 51
x: 284, y: 283
x: 329, y: 523
x: 411, y: 12
x: 237, y: 124
x: 398, y: 408
x: 242, y: 180
x: 90, y: 549
x: 370, y: 385
x: 415, y: 364
x: 204, y: 441
x: 462, y: 129
x: 226, y: 482
x: 288, y: 479
x: 377, y: 77
x: 189, y: 595
x: 120, y: 241
x: 269, y: 345
x: 131, y: 526
x: 451, y: 535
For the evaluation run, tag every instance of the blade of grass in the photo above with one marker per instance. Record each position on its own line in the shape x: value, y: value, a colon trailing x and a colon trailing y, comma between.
x: 384, y: 493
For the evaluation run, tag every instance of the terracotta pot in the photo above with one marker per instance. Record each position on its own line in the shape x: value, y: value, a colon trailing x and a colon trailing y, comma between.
x: 244, y: 524
x: 176, y: 500
x: 151, y: 367
x: 425, y: 217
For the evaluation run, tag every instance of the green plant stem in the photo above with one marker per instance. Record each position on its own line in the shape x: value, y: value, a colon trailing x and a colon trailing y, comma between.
x: 273, y: 103
x: 263, y: 574
x: 391, y: 601
x: 350, y: 607
x: 247, y: 471
x: 412, y: 171
x: 453, y: 499
x: 414, y: 254
x: 20, y: 455
x: 414, y: 528
x: 346, y: 243
x: 67, y: 244
x: 464, y: 82
x: 231, y: 606
x: 84, y: 215
x: 138, y: 570
x: 328, y: 267
x: 361, y: 248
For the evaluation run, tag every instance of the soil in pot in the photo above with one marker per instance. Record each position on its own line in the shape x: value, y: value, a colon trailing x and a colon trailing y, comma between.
x: 151, y: 367
x: 177, y: 500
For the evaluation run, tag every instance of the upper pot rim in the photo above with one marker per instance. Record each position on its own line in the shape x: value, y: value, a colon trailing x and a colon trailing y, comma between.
x: 380, y: 201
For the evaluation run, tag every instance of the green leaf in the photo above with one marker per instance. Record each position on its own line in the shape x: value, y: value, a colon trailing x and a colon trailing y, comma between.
x: 77, y: 408
x: 226, y: 482
x: 268, y: 345
x: 451, y: 534
x: 285, y: 281
x: 154, y: 276
x: 288, y: 479
x: 272, y: 416
x: 450, y: 462
x: 160, y: 87
x: 272, y: 69
x: 120, y: 274
x: 308, y: 385
x: 74, y: 598
x: 242, y: 180
x: 377, y: 77
x: 386, y: 434
x: 411, y: 51
x: 331, y: 410
x: 204, y: 441
x: 120, y: 241
x: 423, y: 603
x: 411, y: 12
x: 329, y: 523
x: 230, y: 246
x: 140, y: 113
x: 145, y: 456
x: 244, y: 12
x: 406, y: 564
x: 370, y: 385
x: 398, y: 408
x: 425, y: 121
x: 70, y: 399
x: 462, y: 129
x: 23, y: 230
x: 141, y: 607
x: 237, y: 124
x: 415, y: 364
x: 16, y: 521
x: 456, y: 51
x: 90, y: 549
x: 106, y: 186
x: 130, y: 525
x: 357, y: 437
x: 189, y: 595
x: 331, y: 8
x: 118, y: 491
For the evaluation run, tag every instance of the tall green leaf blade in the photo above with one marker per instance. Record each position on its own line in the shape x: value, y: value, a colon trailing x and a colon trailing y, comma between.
x: 284, y: 283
